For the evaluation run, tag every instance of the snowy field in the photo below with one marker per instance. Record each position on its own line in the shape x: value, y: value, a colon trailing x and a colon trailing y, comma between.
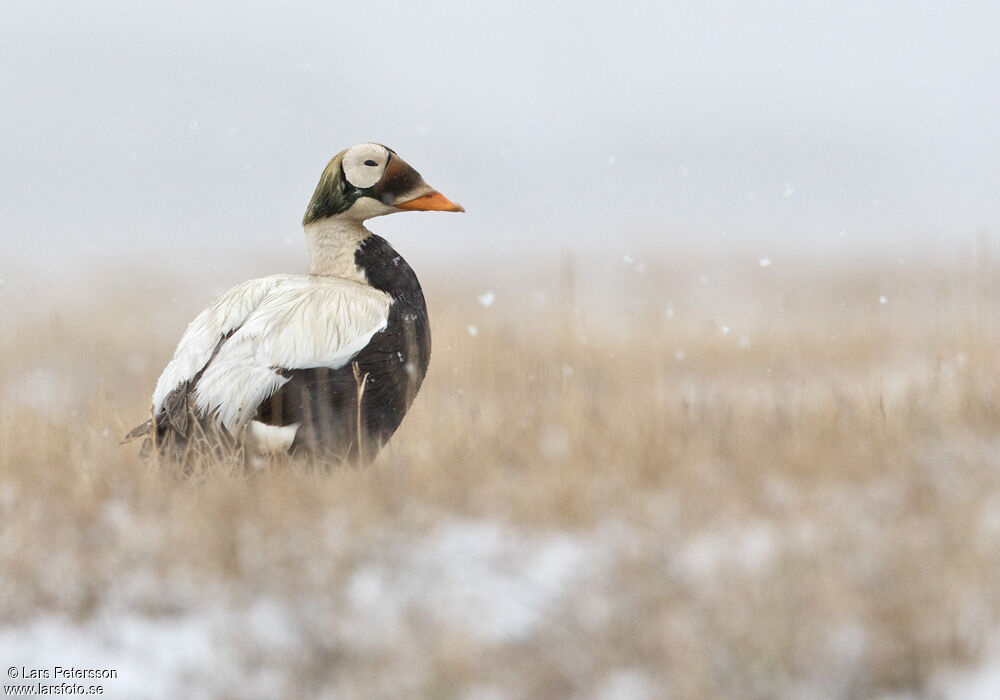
x: 745, y: 480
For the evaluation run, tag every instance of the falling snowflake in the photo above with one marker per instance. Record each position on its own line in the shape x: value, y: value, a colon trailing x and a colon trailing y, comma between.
x: 679, y: 354
x: 764, y: 262
x: 789, y: 190
x: 473, y: 331
x: 883, y: 300
x: 725, y: 330
x: 628, y: 259
x: 487, y: 298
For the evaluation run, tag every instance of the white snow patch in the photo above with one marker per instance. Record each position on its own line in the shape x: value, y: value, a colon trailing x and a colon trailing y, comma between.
x: 749, y: 549
x: 493, y: 582
x: 981, y: 683
x: 627, y: 684
x: 155, y: 657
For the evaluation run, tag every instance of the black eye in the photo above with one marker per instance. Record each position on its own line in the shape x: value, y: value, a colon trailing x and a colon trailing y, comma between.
x: 371, y: 163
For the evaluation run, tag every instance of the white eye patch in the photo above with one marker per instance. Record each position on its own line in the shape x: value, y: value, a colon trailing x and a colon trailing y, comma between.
x: 364, y: 164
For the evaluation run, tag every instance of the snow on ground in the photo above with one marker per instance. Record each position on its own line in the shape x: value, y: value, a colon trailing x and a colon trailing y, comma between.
x: 494, y: 583
x: 489, y: 584
x: 978, y: 683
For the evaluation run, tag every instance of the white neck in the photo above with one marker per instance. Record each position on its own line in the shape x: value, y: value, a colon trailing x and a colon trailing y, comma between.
x: 331, y: 243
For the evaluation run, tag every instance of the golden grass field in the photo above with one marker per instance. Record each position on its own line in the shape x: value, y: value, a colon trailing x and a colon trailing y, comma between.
x: 732, y: 481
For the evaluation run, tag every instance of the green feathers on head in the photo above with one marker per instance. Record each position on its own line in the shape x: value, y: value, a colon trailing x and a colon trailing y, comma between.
x: 333, y: 195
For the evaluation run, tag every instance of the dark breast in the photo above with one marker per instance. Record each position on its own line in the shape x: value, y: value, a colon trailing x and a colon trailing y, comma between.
x: 387, y: 373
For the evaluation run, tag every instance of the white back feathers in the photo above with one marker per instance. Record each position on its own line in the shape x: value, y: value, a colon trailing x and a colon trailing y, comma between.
x: 277, y: 323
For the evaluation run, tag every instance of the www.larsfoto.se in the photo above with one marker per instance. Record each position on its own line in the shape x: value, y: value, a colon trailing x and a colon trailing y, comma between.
x: 30, y: 689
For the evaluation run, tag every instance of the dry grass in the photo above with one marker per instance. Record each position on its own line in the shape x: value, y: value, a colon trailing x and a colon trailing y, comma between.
x: 805, y: 505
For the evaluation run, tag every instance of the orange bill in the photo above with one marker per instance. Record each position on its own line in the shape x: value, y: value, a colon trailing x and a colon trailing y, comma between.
x: 435, y: 201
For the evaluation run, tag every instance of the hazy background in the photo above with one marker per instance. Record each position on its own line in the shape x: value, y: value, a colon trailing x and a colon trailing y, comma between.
x: 712, y: 409
x: 768, y: 129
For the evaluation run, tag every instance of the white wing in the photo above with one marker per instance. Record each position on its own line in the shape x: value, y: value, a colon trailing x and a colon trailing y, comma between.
x: 223, y: 316
x: 282, y: 322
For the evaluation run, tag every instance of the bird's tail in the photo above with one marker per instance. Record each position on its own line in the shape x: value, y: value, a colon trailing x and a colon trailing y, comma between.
x: 145, y: 428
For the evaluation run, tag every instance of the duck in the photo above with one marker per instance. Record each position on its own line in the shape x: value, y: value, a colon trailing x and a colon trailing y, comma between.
x: 325, y: 363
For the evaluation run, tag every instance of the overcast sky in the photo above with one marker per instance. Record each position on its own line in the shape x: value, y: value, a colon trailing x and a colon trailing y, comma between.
x: 126, y: 125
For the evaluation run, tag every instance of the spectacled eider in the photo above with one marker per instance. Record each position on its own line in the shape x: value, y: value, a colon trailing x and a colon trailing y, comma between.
x: 325, y: 363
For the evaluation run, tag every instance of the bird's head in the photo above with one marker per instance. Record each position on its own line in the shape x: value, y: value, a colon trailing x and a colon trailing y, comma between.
x: 370, y: 180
